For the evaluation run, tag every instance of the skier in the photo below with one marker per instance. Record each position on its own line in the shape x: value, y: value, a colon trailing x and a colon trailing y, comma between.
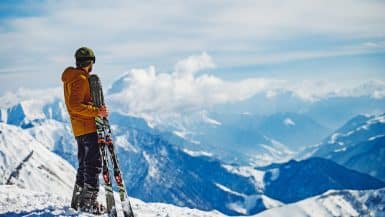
x: 82, y: 114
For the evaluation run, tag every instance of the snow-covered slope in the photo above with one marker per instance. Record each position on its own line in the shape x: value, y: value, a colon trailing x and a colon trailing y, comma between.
x: 159, y: 169
x: 21, y: 202
x: 161, y: 172
x: 359, y: 145
x: 57, y: 137
x: 369, y: 203
x: 29, y: 164
x: 232, y: 138
x: 15, y: 201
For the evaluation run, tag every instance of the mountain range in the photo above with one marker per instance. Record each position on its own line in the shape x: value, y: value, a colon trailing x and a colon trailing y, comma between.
x: 235, y: 163
x: 159, y: 170
x: 359, y: 145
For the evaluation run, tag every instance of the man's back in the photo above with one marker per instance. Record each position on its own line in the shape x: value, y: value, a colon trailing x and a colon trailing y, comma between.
x: 78, y: 101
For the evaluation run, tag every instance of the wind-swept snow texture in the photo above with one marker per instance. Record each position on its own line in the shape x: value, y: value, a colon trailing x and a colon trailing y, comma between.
x: 15, y: 201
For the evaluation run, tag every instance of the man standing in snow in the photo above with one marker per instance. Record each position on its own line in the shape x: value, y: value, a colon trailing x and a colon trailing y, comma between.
x: 82, y: 113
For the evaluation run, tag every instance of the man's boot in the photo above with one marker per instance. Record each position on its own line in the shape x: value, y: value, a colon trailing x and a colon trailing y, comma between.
x: 75, y: 202
x: 88, y: 202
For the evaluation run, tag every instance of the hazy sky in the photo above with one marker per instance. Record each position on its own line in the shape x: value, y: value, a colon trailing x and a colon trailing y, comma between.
x: 330, y: 40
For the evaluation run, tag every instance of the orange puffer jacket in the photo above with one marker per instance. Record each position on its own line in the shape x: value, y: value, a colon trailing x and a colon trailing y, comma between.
x: 78, y: 101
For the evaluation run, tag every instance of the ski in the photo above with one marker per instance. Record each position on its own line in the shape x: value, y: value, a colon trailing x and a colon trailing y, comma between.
x: 105, y: 142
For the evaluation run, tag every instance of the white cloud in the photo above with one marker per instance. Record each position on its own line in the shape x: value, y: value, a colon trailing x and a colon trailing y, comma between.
x: 141, y: 33
x: 192, y: 64
x: 25, y: 94
x: 160, y: 97
x: 145, y: 92
x: 135, y: 34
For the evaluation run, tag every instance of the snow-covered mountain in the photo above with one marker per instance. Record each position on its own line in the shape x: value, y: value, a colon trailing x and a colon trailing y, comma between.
x: 233, y: 138
x: 335, y: 203
x: 199, y: 176
x: 156, y: 169
x: 46, y: 120
x: 162, y: 172
x: 359, y: 145
x: 182, y: 166
x: 293, y: 129
x: 27, y: 163
x: 331, y: 111
x: 297, y: 180
x: 28, y: 112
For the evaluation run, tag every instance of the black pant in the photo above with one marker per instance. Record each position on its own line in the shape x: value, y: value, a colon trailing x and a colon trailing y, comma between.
x: 90, y: 162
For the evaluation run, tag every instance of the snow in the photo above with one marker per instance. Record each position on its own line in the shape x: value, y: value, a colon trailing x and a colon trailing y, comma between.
x: 270, y: 203
x: 24, y: 202
x: 333, y: 138
x: 245, y: 171
x: 380, y: 119
x: 152, y: 166
x: 36, y: 164
x: 197, y: 153
x: 249, y: 200
x: 18, y: 201
x: 123, y: 142
x: 274, y: 174
x: 340, y: 149
x: 3, y: 115
x: 209, y: 120
x: 181, y: 134
x: 376, y: 137
x: 238, y: 207
x: 212, y: 121
x: 276, y: 152
x: 226, y: 189
x: 53, y: 132
x: 335, y: 203
x: 289, y: 122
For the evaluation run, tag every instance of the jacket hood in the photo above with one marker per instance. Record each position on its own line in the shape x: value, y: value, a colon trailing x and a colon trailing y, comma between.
x: 71, y: 73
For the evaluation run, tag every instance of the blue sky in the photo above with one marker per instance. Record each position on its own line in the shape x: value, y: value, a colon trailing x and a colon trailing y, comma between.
x: 338, y: 41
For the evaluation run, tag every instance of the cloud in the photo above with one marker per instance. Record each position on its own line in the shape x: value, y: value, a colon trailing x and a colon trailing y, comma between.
x: 145, y: 92
x: 9, y: 98
x: 192, y: 64
x: 135, y: 34
x: 190, y: 90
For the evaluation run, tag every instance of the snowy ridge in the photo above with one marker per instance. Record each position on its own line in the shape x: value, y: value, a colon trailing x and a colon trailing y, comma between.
x: 256, y: 175
x: 357, y: 145
x: 30, y: 111
x: 335, y: 203
x: 197, y: 153
x: 29, y: 164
